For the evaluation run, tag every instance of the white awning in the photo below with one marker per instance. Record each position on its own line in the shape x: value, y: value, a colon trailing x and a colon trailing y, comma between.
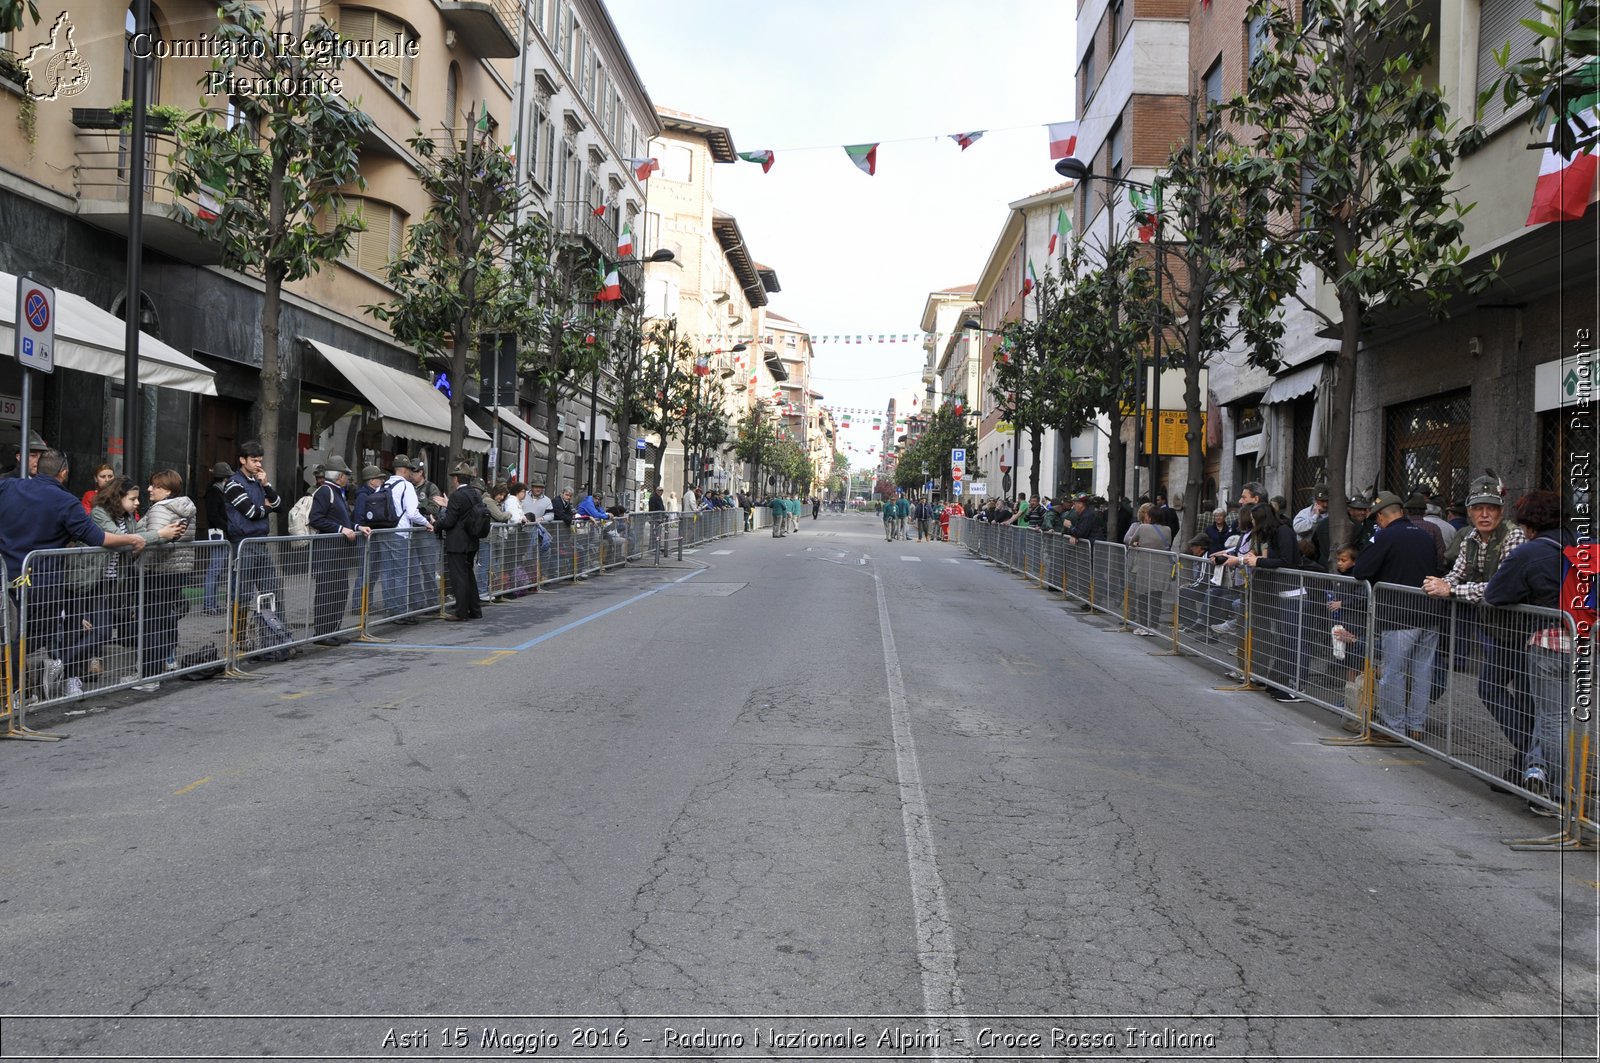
x: 521, y: 427
x: 90, y: 340
x: 1247, y: 444
x: 1292, y: 385
x: 409, y: 405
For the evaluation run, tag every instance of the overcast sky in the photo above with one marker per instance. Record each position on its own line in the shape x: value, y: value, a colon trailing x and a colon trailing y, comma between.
x: 858, y: 254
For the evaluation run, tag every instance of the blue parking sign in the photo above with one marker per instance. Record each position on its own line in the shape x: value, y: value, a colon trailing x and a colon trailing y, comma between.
x: 958, y: 456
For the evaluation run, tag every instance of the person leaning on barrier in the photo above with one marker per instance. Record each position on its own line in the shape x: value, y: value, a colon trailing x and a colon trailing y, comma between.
x: 332, y: 559
x: 250, y: 500
x: 104, y: 585
x: 1148, y: 568
x: 367, y: 564
x: 1416, y: 510
x: 1408, y: 636
x: 539, y: 506
x: 1479, y: 553
x: 1087, y: 523
x: 465, y: 521
x: 39, y: 513
x: 1276, y: 598
x: 215, y: 508
x: 1532, y: 574
x: 166, y: 571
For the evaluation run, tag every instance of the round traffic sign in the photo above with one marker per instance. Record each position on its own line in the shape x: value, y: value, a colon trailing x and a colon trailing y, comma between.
x: 36, y: 308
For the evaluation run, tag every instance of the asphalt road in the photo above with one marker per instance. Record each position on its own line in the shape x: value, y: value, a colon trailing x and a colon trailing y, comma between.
x: 790, y: 793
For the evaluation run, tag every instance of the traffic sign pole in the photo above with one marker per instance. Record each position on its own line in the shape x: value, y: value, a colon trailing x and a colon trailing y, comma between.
x: 35, y: 349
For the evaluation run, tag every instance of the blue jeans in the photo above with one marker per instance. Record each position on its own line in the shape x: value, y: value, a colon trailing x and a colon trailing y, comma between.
x: 1547, y: 674
x: 392, y: 555
x: 216, y: 568
x: 257, y: 574
x: 1408, y: 653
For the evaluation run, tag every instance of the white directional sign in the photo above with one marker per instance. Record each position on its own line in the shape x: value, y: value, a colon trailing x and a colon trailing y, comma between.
x: 36, y: 325
x: 978, y: 487
x: 956, y: 488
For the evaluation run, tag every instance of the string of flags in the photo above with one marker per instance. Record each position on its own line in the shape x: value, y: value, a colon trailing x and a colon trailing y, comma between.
x: 1063, y: 143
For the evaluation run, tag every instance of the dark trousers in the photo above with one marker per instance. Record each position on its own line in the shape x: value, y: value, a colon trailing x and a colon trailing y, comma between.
x: 463, y: 584
x: 1505, y: 696
x: 163, y: 591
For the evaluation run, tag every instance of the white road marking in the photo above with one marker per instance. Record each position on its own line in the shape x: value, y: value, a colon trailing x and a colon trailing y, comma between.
x: 941, y: 984
x: 714, y: 553
x: 953, y: 560
x: 908, y: 557
x: 692, y: 550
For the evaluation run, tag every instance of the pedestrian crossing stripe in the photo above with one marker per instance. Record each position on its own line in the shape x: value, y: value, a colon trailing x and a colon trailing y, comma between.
x: 907, y: 557
x: 716, y: 552
x: 953, y: 560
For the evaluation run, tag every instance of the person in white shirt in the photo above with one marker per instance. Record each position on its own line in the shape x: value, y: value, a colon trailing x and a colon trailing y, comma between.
x: 1305, y: 521
x: 397, y: 561
x: 515, y: 493
x: 691, y: 504
x: 538, y: 506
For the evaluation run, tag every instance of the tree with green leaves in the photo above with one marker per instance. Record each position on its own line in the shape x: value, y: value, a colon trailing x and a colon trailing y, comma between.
x: 275, y: 168
x: 1560, y: 79
x: 1213, y: 227
x: 12, y: 13
x: 1352, y: 144
x: 1027, y: 379
x: 575, y: 336
x: 467, y: 266
x: 755, y: 442
x: 663, y: 401
x: 946, y: 431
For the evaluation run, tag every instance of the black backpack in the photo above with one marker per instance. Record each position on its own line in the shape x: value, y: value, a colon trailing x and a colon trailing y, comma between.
x: 479, y: 523
x: 380, y: 510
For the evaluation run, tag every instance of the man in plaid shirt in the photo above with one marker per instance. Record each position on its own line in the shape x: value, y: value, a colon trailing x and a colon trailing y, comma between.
x: 1485, y: 543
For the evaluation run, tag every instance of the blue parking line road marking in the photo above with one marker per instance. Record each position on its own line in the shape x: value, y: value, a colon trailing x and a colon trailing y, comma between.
x: 608, y: 609
x: 423, y: 646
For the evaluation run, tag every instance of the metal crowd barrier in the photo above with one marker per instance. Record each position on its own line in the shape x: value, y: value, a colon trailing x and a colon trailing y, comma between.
x: 1488, y: 690
x: 84, y: 621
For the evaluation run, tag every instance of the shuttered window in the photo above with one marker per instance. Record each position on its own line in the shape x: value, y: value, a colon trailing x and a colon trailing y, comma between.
x: 395, y: 70
x: 372, y: 250
x: 1500, y: 22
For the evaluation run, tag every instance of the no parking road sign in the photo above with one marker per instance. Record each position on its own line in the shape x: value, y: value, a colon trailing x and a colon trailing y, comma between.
x: 36, y: 325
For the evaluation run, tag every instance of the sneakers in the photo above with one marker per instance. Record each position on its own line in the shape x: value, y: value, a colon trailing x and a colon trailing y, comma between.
x: 1227, y: 627
x: 1286, y: 697
x: 1536, y: 783
x: 148, y: 688
x: 51, y: 681
x: 74, y: 687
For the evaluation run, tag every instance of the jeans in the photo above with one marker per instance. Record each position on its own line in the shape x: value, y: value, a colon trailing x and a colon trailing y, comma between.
x: 426, y: 558
x: 257, y: 574
x: 1408, y: 653
x: 1548, y: 673
x: 1504, y: 695
x: 392, y: 554
x: 216, y: 570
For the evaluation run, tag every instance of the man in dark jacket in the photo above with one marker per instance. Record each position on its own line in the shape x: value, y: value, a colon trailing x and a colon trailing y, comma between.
x: 251, y: 500
x: 462, y: 522
x: 332, y: 558
x: 1532, y: 574
x: 1408, y: 630
x: 367, y: 561
x: 39, y: 513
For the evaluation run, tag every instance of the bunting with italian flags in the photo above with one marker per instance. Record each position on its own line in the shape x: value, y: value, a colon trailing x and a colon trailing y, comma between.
x: 625, y: 242
x: 1565, y: 187
x: 764, y: 157
x: 1063, y: 228
x: 966, y: 140
x: 865, y: 156
x: 1063, y: 140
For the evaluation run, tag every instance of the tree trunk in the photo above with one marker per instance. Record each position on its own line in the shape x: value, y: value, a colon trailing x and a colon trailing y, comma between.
x: 1339, y: 416
x: 1200, y: 280
x: 1034, y: 433
x: 1118, y: 485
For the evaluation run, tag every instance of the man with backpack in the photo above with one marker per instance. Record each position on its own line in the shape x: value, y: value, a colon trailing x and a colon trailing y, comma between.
x: 465, y: 523
x: 393, y: 505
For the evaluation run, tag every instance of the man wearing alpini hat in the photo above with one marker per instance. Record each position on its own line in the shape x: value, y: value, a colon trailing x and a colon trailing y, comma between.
x: 464, y: 521
x: 1486, y: 542
x: 332, y: 558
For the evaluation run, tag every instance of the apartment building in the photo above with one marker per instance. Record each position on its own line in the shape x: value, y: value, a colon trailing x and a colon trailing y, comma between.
x: 948, y: 347
x: 353, y: 390
x: 800, y: 408
x: 1435, y: 402
x: 713, y: 285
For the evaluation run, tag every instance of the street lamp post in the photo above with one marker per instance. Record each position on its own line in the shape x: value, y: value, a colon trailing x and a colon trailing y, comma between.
x: 1077, y: 170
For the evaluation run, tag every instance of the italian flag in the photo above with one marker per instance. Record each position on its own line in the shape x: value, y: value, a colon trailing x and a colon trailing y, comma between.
x: 1029, y: 282
x: 643, y: 168
x: 1063, y: 227
x: 210, y: 209
x: 1063, y: 140
x: 1565, y: 187
x: 765, y: 157
x: 865, y: 156
x: 610, y: 288
x: 625, y: 242
x: 966, y: 140
x: 701, y: 366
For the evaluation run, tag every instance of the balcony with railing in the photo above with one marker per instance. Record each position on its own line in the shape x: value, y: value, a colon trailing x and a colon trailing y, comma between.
x: 106, y: 158
x: 577, y: 221
x: 488, y: 27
